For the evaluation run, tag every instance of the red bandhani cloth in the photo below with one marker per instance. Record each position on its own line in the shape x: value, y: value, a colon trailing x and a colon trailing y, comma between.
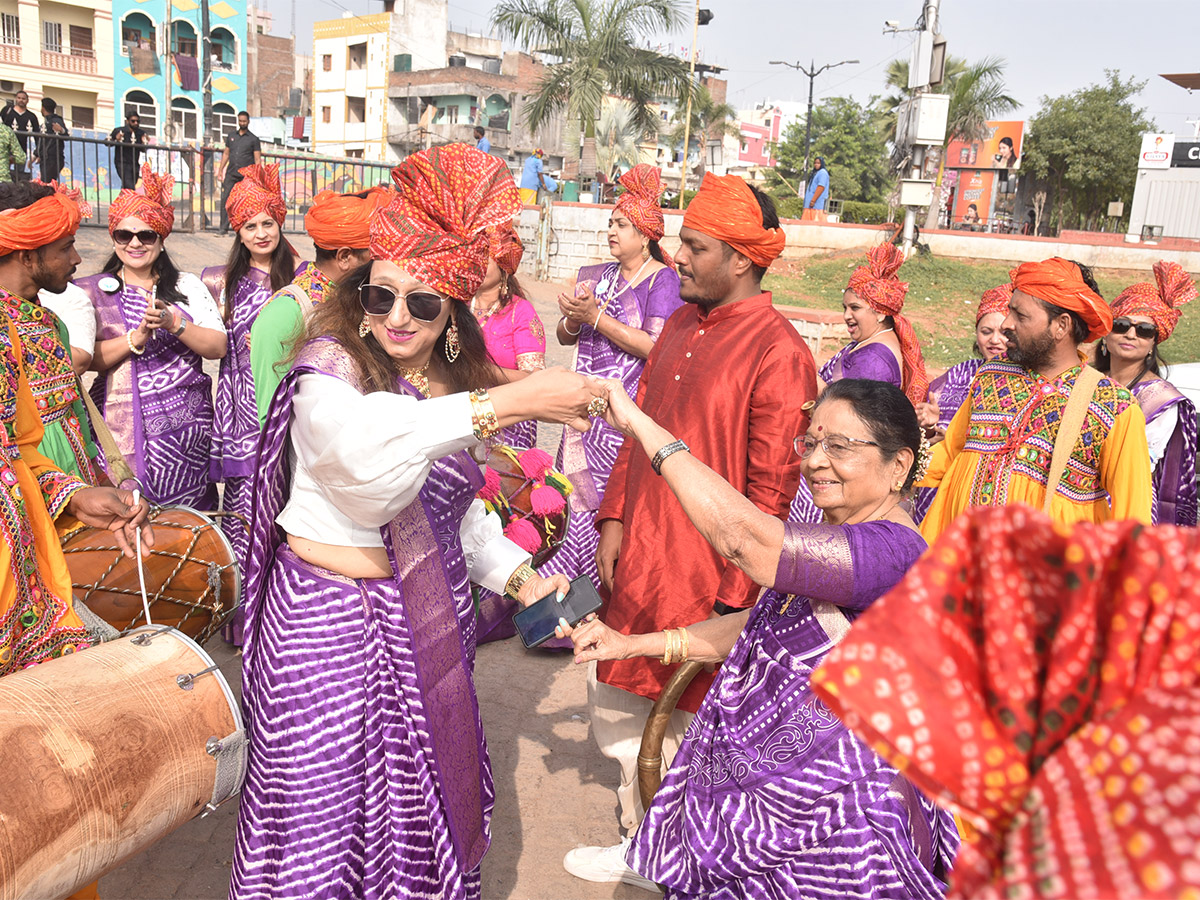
x: 1160, y: 301
x: 995, y: 300
x: 641, y: 202
x: 877, y: 284
x: 44, y: 221
x: 505, y: 247
x: 344, y: 220
x: 1043, y: 683
x: 725, y: 208
x: 1059, y: 281
x: 257, y: 192
x: 436, y: 226
x: 151, y: 203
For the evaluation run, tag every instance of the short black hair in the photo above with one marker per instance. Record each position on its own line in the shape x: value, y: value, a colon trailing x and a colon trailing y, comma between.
x: 243, y: 113
x: 48, y: 104
x: 20, y: 194
x: 887, y: 413
x: 1079, y: 328
x: 479, y: 131
x: 770, y: 219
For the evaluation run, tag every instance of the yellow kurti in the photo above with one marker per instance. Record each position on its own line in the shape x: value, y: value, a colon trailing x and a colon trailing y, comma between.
x: 998, y: 447
x: 37, y: 620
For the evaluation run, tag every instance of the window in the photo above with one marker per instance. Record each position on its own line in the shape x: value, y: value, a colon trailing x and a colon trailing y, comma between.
x: 141, y: 104
x: 356, y: 109
x: 356, y: 57
x: 224, y: 50
x: 326, y: 114
x: 448, y: 115
x: 136, y: 31
x: 327, y: 62
x: 81, y: 41
x: 52, y: 37
x: 83, y: 117
x: 224, y: 121
x: 10, y: 30
x: 185, y: 39
x: 185, y: 120
x: 354, y: 154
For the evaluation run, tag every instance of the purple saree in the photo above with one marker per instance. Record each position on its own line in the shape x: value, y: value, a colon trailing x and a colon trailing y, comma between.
x: 158, y: 405
x: 368, y: 775
x: 1175, y: 473
x: 587, y: 458
x: 949, y: 391
x: 770, y: 796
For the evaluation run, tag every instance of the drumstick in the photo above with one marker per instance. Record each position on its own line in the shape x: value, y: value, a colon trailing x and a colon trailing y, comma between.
x: 137, y: 544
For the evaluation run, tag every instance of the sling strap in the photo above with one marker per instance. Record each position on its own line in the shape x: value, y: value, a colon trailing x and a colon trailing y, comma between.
x: 118, y: 468
x: 1070, y: 428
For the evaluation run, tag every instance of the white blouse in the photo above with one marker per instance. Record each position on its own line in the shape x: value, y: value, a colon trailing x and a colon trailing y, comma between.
x: 359, y: 459
x: 199, y: 303
x: 1158, y: 433
x: 74, y: 307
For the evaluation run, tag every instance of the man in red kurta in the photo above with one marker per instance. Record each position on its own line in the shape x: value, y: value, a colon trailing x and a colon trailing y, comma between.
x: 730, y: 377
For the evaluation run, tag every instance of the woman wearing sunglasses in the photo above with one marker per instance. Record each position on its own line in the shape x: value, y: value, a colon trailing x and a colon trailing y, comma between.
x: 1145, y: 314
x: 155, y: 327
x: 368, y: 774
x: 769, y: 794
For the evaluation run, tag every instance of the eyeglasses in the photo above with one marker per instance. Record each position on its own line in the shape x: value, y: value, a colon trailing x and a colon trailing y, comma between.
x: 123, y: 236
x: 835, y: 446
x: 378, y: 300
x: 1144, y: 330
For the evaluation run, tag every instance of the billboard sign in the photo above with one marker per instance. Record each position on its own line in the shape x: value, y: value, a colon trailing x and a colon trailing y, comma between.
x: 1000, y: 149
x: 973, y: 198
x: 1186, y: 155
x: 1156, y: 151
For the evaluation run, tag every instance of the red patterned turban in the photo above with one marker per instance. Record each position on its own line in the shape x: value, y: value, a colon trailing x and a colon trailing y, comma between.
x: 1059, y: 281
x: 344, y: 220
x: 152, y: 205
x: 506, y: 248
x: 42, y: 222
x: 435, y: 228
x: 725, y: 208
x: 641, y: 202
x: 1159, y: 301
x: 995, y: 300
x: 876, y: 284
x: 257, y: 192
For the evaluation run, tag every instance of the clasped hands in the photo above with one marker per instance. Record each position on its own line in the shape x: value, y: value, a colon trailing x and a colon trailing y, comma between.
x: 581, y: 307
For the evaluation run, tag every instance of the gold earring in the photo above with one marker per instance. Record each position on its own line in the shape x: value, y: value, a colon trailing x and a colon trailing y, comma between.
x: 364, y: 327
x: 898, y: 487
x: 452, y: 346
x: 645, y: 251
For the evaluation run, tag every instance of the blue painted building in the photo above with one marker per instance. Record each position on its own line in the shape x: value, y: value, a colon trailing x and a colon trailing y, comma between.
x: 146, y: 59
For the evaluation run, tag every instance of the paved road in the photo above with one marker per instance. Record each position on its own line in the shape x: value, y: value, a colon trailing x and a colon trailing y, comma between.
x: 554, y: 790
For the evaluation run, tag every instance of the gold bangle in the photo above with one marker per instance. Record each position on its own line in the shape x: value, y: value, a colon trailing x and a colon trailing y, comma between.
x: 132, y: 349
x: 517, y: 579
x: 683, y: 637
x: 483, y: 415
x: 666, y: 657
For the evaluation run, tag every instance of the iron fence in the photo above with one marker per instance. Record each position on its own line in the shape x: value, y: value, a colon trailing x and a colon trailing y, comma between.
x: 90, y: 164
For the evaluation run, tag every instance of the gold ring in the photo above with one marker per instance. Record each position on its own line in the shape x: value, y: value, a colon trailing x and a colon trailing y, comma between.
x: 597, y: 408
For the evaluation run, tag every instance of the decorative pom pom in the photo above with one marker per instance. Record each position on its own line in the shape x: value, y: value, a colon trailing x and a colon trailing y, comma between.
x: 546, y: 501
x: 491, y: 485
x: 524, y: 535
x: 535, y: 463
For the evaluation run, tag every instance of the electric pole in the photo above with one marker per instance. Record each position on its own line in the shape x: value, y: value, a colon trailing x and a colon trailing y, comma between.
x: 812, y: 72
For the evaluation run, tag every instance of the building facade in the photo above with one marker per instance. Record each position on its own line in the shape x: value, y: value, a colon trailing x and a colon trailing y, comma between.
x: 63, y: 50
x: 158, y: 66
x: 351, y: 59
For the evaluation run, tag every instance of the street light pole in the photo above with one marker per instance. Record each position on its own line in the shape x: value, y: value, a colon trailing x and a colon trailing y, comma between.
x: 687, y: 118
x: 812, y: 72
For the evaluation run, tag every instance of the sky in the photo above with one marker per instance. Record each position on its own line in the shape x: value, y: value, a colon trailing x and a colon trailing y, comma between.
x: 1051, y: 47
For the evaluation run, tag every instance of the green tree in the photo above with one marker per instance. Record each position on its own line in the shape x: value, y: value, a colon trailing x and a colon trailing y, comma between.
x: 1082, y: 147
x: 709, y: 120
x: 618, y: 139
x: 596, y: 43
x: 851, y: 139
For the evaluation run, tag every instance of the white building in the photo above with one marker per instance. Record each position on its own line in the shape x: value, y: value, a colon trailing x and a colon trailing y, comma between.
x: 350, y: 86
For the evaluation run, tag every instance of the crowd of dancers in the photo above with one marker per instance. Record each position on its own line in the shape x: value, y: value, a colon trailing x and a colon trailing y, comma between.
x: 736, y: 505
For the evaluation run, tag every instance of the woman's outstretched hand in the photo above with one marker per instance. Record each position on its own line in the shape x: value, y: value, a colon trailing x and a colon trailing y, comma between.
x: 556, y: 395
x: 594, y: 640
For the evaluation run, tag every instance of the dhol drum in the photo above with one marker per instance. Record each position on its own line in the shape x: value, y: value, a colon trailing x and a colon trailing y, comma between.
x: 107, y: 750
x: 192, y: 580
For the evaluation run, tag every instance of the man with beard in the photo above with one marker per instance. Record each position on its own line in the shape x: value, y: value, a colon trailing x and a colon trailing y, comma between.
x: 731, y: 378
x: 1003, y: 445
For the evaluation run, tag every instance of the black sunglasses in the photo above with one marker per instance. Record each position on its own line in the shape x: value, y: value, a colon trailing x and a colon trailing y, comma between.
x: 1144, y: 330
x: 123, y: 236
x: 378, y: 300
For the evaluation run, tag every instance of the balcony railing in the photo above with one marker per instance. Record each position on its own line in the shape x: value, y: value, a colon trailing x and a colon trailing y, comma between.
x: 69, y: 62
x: 10, y: 53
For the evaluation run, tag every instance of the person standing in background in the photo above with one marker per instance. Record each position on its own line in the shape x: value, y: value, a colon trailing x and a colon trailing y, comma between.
x: 241, y: 149
x: 481, y: 142
x: 816, y: 196
x: 532, y: 177
x: 51, y: 149
x: 19, y: 117
x: 127, y: 155
x: 11, y: 154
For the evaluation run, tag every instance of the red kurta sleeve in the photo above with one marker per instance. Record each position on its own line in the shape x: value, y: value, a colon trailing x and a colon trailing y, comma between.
x: 612, y: 506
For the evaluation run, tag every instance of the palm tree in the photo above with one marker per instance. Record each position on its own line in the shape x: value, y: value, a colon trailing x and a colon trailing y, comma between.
x: 596, y: 45
x: 618, y: 139
x: 710, y: 120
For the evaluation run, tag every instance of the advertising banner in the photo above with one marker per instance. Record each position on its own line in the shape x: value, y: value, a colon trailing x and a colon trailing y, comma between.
x: 1001, y: 149
x: 1156, y: 151
x: 973, y: 198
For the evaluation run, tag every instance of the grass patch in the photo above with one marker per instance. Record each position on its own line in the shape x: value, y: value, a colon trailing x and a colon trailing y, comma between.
x: 943, y: 295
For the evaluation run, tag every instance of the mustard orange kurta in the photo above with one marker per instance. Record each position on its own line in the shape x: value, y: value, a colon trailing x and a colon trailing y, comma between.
x: 37, y: 619
x: 998, y: 447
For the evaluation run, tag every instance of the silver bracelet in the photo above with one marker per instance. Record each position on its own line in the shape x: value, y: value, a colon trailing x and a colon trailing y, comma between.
x: 569, y: 331
x: 664, y: 452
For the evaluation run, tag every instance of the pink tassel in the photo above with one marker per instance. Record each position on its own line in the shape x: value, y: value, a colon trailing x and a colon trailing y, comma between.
x: 524, y: 535
x: 535, y: 463
x: 546, y: 501
x: 491, y: 485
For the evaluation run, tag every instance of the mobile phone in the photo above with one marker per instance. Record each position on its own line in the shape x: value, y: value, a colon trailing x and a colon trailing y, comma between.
x: 536, y: 622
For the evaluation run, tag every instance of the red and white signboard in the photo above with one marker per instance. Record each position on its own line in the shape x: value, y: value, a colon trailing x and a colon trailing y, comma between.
x: 1156, y: 151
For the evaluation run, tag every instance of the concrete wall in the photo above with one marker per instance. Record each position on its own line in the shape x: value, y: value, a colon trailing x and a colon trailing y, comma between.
x: 580, y: 239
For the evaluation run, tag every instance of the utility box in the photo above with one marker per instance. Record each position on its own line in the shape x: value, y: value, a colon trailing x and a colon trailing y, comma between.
x: 922, y: 120
x: 916, y: 192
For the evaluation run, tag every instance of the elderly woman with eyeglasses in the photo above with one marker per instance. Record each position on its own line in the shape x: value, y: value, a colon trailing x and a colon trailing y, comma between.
x: 368, y: 775
x: 1145, y: 314
x: 770, y: 796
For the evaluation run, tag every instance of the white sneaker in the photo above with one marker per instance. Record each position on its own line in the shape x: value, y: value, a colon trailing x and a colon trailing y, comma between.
x: 605, y: 864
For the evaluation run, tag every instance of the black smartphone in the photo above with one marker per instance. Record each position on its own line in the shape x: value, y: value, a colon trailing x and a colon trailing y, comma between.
x: 536, y: 622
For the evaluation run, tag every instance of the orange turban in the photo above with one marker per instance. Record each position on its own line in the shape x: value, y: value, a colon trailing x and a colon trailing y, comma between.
x: 725, y: 208
x: 257, y: 192
x: 1159, y: 301
x: 995, y: 300
x: 344, y: 220
x: 435, y: 227
x: 1059, y: 281
x: 152, y: 206
x: 42, y: 222
x: 877, y: 284
x: 506, y: 248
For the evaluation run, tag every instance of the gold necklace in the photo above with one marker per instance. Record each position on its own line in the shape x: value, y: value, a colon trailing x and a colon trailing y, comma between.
x: 418, y: 379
